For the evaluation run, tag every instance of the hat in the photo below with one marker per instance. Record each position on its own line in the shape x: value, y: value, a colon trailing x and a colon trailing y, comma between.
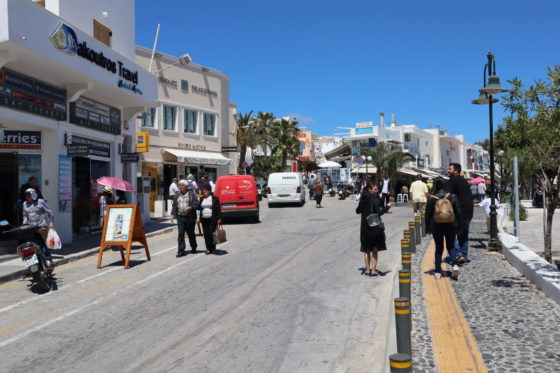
x: 107, y: 189
x: 32, y: 192
x: 418, y: 177
x: 190, y: 177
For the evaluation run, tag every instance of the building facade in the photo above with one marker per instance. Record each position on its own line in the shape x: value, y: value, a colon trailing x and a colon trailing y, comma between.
x: 192, y: 128
x: 69, y: 93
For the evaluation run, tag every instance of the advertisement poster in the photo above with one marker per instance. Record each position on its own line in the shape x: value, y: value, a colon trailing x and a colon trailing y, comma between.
x: 64, y: 183
x: 118, y: 224
x: 29, y: 165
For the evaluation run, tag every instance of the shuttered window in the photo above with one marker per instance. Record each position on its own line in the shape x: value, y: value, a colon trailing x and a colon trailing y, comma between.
x: 102, y: 33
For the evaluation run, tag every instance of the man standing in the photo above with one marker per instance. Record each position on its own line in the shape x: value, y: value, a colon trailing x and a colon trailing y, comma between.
x: 386, y: 188
x: 459, y: 186
x: 184, y: 209
x: 204, y: 182
x: 31, y: 183
x: 311, y: 185
x: 173, y: 188
x: 481, y: 190
x: 418, y: 195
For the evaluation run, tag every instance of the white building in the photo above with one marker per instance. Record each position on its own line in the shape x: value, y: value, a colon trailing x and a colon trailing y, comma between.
x: 69, y: 90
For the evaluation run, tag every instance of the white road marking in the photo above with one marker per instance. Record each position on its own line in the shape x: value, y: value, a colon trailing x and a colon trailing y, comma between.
x: 37, y: 297
x: 98, y: 300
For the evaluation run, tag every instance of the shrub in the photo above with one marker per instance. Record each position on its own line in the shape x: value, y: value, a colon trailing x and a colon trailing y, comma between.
x: 522, y: 213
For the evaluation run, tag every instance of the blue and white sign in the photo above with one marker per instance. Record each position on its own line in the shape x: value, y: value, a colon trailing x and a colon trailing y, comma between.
x: 364, y: 131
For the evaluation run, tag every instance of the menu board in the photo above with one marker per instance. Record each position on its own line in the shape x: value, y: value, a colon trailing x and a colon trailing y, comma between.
x: 64, y: 183
x: 118, y: 224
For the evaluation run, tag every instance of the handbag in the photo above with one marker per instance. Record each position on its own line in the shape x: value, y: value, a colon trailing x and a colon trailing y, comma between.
x: 374, y: 220
x: 220, y: 235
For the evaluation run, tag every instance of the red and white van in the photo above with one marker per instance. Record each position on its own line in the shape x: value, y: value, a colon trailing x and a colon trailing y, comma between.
x: 238, y: 196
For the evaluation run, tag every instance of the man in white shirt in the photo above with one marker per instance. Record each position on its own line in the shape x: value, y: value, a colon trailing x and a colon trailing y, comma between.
x: 481, y: 190
x: 386, y: 188
x: 173, y: 188
x: 486, y: 203
x: 418, y: 195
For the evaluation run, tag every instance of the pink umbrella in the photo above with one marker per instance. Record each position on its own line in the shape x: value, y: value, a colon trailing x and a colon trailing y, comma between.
x: 477, y: 180
x: 115, y: 183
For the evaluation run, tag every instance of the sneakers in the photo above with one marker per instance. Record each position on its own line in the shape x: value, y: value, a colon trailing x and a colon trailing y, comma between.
x: 455, y: 272
x: 461, y: 260
x: 437, y: 275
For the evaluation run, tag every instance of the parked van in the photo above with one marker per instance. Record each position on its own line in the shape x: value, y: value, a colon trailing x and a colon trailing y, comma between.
x: 285, y: 187
x: 238, y: 196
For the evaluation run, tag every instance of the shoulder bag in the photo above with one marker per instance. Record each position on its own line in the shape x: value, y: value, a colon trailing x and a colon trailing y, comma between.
x: 373, y: 219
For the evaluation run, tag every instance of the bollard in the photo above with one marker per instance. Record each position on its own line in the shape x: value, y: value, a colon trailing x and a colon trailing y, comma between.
x: 406, y: 259
x: 404, y: 284
x: 411, y: 228
x: 423, y: 223
x: 417, y: 230
x: 403, y: 322
x: 400, y: 363
x: 405, y: 245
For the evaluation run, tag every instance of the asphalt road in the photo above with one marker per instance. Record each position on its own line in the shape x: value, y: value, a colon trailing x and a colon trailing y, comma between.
x: 285, y: 296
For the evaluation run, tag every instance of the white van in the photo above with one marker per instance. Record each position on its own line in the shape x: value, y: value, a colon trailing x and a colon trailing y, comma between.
x: 285, y: 187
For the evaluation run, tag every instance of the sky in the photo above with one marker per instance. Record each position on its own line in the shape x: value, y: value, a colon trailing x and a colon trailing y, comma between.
x: 335, y: 63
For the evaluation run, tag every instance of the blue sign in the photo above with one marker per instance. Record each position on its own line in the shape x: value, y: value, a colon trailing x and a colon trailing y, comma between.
x: 360, y: 160
x: 24, y: 140
x: 244, y: 165
x: 372, y: 143
x: 364, y: 131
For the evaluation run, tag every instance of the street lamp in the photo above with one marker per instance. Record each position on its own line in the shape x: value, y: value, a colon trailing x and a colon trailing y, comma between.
x: 492, y: 86
x: 368, y: 158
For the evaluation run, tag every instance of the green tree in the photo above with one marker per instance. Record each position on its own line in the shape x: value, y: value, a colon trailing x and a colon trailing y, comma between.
x: 245, y: 135
x: 387, y: 158
x: 286, y: 139
x: 533, y: 124
x: 265, y: 165
x: 265, y: 131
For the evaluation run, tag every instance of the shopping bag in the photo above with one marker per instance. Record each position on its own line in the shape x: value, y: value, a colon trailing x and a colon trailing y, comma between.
x: 53, y: 240
x: 220, y: 234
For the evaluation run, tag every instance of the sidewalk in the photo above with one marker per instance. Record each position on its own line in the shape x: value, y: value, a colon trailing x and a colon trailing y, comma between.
x: 81, y: 247
x: 515, y: 326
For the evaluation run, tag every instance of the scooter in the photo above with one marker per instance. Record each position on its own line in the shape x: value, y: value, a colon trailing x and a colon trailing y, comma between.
x: 344, y: 191
x: 331, y: 190
x: 29, y: 249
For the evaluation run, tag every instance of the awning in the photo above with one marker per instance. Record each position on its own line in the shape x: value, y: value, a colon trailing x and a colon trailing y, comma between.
x: 362, y: 170
x: 196, y: 157
x: 407, y: 171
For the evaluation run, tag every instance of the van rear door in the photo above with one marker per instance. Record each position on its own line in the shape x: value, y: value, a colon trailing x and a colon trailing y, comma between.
x: 228, y: 192
x: 284, y: 184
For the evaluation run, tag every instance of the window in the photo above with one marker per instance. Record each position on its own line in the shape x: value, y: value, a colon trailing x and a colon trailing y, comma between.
x: 210, y: 124
x: 169, y: 116
x: 102, y: 33
x: 190, y: 121
x: 148, y: 118
x: 407, y: 137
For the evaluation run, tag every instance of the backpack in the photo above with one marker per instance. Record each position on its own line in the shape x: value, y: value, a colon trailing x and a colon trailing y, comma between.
x: 443, y: 212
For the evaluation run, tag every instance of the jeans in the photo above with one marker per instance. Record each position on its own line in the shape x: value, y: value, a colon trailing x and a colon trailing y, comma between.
x: 186, y: 224
x: 441, y: 232
x: 311, y: 193
x: 461, y: 247
x: 209, y: 227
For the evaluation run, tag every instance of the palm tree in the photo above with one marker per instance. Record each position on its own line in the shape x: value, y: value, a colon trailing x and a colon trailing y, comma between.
x: 286, y: 139
x: 245, y: 135
x: 387, y: 158
x: 265, y: 130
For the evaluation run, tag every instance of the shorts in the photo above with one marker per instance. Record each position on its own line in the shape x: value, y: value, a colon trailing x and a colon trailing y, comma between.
x: 419, y: 206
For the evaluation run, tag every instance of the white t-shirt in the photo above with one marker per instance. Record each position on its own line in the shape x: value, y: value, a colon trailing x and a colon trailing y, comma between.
x: 385, y: 186
x: 173, y: 189
x: 207, y: 207
x: 481, y: 188
x: 486, y: 202
x: 418, y: 189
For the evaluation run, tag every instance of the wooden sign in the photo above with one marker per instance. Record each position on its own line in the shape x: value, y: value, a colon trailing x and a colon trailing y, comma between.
x: 122, y: 226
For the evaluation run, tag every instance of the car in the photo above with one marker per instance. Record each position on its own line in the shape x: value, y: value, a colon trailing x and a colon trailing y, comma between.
x: 238, y: 196
x: 285, y: 187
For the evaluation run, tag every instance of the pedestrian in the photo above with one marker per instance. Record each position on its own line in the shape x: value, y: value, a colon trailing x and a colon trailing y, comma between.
x: 318, y: 193
x: 311, y: 185
x: 105, y: 199
x: 372, y: 230
x: 191, y: 184
x: 173, y: 188
x: 210, y: 216
x: 121, y: 198
x: 460, y: 187
x: 386, y: 186
x: 184, y: 210
x: 481, y: 190
x: 474, y: 192
x: 486, y: 203
x: 36, y: 212
x: 212, y: 184
x: 203, y: 182
x: 444, y: 220
x: 418, y: 195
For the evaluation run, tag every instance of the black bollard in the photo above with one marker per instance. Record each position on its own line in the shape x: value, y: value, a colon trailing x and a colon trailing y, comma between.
x: 403, y: 322
x: 406, y: 259
x: 400, y: 363
x: 423, y: 223
x: 404, y: 284
x: 411, y: 228
x: 417, y: 230
x: 405, y: 245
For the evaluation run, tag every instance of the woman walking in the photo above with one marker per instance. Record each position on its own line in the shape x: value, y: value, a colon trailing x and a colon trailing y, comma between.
x: 372, y: 231
x: 318, y: 193
x: 444, y: 222
x: 210, y: 216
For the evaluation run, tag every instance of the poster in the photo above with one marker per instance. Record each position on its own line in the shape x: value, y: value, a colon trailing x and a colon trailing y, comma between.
x: 64, y: 183
x: 118, y: 224
x: 29, y: 166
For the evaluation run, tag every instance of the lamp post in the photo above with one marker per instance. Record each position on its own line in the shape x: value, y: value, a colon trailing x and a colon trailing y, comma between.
x: 368, y: 158
x: 491, y: 87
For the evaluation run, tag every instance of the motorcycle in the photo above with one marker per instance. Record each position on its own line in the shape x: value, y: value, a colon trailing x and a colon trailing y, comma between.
x: 344, y: 191
x: 29, y: 249
x: 330, y: 190
x: 261, y: 191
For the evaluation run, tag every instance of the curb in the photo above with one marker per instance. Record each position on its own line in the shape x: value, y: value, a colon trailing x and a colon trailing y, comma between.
x: 22, y: 273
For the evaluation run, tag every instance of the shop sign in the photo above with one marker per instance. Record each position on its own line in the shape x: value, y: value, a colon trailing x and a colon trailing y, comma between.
x: 23, y: 140
x: 163, y: 80
x: 229, y: 149
x: 64, y: 38
x: 191, y: 146
x: 204, y: 91
x: 64, y: 184
x: 364, y: 130
x: 185, y: 86
x: 94, y: 147
x: 77, y: 150
x: 364, y: 124
x: 88, y: 113
x: 142, y: 141
x: 130, y: 157
x: 20, y: 92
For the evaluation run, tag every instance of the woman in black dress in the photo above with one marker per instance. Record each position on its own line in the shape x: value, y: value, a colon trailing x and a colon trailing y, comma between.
x: 210, y: 216
x: 372, y: 239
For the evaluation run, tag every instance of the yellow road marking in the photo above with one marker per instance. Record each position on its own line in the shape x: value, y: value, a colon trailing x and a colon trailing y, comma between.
x: 455, y: 349
x: 15, y: 328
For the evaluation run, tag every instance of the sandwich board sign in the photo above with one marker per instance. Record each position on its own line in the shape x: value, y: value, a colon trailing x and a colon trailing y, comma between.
x: 122, y: 226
